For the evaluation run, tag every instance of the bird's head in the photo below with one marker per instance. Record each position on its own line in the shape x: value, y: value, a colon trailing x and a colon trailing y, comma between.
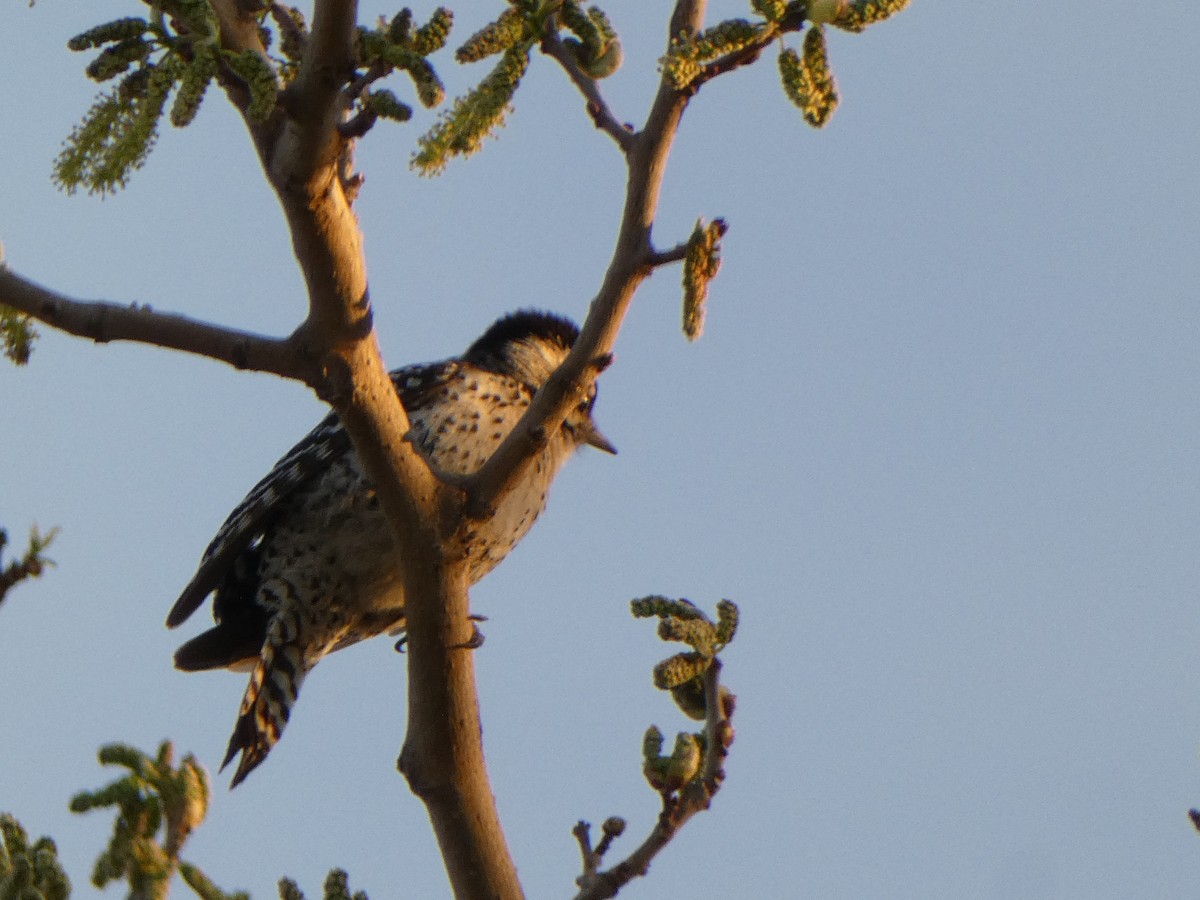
x: 529, y: 345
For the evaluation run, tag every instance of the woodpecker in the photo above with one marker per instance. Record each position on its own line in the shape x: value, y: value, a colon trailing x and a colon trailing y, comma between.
x: 306, y: 565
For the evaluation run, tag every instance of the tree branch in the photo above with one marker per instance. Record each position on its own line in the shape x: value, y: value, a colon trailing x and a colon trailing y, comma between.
x: 665, y: 257
x: 239, y: 29
x: 102, y: 322
x: 695, y: 797
x: 632, y: 262
x: 317, y: 103
x: 240, y: 33
x: 597, y: 108
x: 792, y: 20
x: 731, y: 61
x: 302, y: 158
x: 31, y: 565
x: 289, y: 31
x: 442, y: 758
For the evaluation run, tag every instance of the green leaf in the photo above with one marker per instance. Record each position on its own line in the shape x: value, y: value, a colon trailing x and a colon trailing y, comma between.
x: 680, y: 669
x: 772, y: 10
x: 387, y: 105
x: 432, y: 36
x: 29, y: 872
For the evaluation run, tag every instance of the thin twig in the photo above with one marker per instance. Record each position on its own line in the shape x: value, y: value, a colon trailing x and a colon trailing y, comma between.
x: 666, y: 257
x: 31, y: 565
x: 583, y: 836
x: 695, y: 797
x: 629, y: 266
x: 597, y: 107
x: 731, y: 61
x: 374, y: 72
x: 792, y: 20
x: 354, y: 128
x: 613, y: 828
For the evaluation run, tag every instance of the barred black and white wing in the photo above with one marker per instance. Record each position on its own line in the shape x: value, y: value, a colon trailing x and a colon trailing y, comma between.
x: 255, y: 514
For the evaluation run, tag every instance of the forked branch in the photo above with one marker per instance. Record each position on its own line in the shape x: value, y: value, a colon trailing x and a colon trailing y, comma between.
x: 677, y: 807
x: 633, y: 260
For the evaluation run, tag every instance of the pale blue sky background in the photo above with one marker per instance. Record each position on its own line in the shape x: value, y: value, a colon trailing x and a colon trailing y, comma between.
x: 940, y: 442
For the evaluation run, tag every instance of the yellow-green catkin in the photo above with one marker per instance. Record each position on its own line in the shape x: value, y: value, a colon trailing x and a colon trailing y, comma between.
x: 700, y: 266
x: 507, y: 31
x: 856, y: 15
x: 808, y: 80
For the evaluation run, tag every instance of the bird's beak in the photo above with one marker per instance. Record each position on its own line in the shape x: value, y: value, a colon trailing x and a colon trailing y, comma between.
x: 593, y: 437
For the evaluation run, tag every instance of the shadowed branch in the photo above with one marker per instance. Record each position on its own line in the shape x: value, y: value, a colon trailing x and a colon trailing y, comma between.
x: 597, y: 107
x: 102, y: 322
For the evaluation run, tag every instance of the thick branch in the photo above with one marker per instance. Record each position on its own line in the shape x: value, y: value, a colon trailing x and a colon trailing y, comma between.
x: 239, y: 29
x: 316, y: 94
x: 443, y: 757
x: 359, y: 85
x: 632, y: 262
x: 301, y: 163
x: 300, y: 151
x: 103, y: 322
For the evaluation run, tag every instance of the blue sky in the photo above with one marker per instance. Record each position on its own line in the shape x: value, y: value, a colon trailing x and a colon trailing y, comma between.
x: 939, y: 441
